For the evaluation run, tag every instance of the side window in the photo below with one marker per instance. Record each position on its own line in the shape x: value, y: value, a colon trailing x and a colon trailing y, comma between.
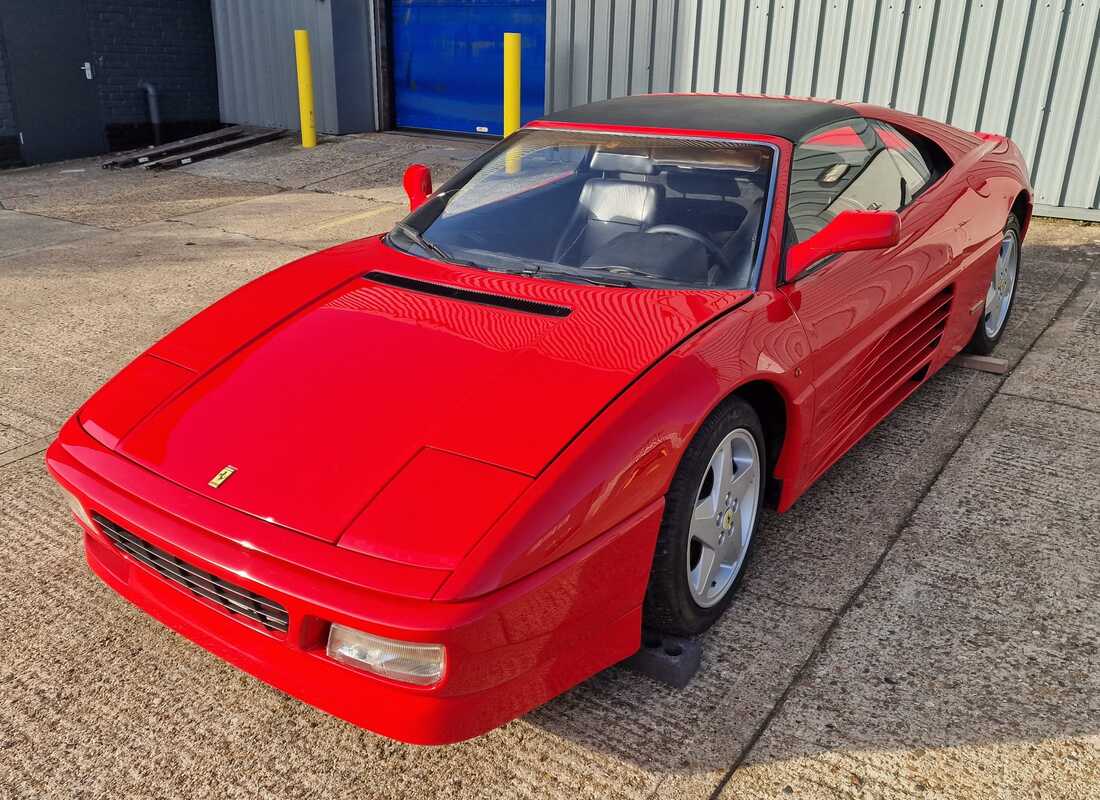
x: 825, y: 164
x: 910, y: 163
x: 878, y: 187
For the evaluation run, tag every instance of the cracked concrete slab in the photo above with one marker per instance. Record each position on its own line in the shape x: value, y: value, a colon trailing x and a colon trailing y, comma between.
x: 20, y: 232
x: 117, y: 199
x: 1065, y: 363
x: 970, y: 665
x: 307, y: 219
x: 9, y: 455
x: 283, y: 163
x: 382, y: 181
x: 73, y: 316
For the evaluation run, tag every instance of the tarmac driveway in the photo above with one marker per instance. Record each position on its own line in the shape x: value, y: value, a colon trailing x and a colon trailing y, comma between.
x: 924, y: 623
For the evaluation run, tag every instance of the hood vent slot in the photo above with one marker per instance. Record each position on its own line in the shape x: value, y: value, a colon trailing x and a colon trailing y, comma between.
x: 468, y: 295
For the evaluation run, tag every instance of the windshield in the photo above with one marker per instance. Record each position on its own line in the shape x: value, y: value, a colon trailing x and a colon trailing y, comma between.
x: 603, y: 208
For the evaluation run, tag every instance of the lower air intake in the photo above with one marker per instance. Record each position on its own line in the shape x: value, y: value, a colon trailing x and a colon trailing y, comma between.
x: 236, y: 600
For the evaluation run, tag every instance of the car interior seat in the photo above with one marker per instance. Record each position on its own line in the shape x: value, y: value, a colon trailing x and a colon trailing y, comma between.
x: 739, y: 248
x: 608, y: 207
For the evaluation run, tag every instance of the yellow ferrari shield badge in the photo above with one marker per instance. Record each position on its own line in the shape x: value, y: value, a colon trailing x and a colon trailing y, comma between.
x: 222, y: 476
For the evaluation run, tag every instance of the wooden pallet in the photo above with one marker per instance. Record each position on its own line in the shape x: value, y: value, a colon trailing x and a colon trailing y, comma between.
x: 996, y: 366
x: 135, y: 157
x: 194, y: 148
x: 252, y: 136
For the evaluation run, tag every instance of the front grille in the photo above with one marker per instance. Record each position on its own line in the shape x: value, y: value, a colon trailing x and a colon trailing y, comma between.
x: 235, y: 599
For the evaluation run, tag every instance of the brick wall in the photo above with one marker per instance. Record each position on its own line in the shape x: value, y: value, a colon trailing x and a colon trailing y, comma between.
x: 9, y: 142
x: 7, y: 115
x: 169, y: 43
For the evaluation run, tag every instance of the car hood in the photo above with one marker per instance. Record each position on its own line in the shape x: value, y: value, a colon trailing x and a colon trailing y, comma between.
x: 321, y: 410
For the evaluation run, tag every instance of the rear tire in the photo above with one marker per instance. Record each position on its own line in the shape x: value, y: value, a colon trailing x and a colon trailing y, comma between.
x: 1000, y: 294
x: 711, y: 513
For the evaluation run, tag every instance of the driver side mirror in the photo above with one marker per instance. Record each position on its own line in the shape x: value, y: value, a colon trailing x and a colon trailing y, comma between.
x: 418, y: 185
x: 847, y: 232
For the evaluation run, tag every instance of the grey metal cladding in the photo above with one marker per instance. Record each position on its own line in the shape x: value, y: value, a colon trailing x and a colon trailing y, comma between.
x: 1028, y: 68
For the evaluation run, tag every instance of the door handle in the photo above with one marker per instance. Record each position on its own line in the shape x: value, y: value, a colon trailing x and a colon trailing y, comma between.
x: 86, y: 68
x: 979, y: 185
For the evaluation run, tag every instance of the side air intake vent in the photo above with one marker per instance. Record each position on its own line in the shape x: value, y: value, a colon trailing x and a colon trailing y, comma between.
x: 891, y: 369
x: 468, y: 295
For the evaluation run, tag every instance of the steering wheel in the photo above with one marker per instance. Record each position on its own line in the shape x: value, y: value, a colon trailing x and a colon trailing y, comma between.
x: 688, y: 233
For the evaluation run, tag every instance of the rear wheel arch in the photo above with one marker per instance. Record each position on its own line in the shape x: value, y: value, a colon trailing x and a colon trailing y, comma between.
x: 1022, y: 207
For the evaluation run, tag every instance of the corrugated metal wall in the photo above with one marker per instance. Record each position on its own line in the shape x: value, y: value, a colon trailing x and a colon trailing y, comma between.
x: 257, y: 73
x: 1028, y: 68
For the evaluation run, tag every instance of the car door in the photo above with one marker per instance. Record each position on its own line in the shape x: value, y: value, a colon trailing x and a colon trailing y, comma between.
x: 867, y: 349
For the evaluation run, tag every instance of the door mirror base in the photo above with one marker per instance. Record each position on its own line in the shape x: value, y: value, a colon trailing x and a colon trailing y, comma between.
x: 418, y: 185
x: 847, y: 232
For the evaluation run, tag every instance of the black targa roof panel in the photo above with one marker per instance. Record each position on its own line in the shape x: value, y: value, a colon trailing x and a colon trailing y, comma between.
x: 788, y: 119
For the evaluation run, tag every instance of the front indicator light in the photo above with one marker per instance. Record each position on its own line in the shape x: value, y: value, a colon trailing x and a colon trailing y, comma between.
x: 77, y: 508
x: 409, y: 662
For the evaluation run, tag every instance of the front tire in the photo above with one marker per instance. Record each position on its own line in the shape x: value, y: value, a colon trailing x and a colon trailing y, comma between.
x: 1001, y: 293
x: 711, y: 513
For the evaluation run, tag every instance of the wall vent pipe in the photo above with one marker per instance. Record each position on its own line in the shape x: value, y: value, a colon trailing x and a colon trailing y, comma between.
x: 154, y: 108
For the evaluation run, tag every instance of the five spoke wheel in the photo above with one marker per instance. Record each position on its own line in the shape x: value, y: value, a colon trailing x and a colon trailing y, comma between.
x: 722, y: 522
x: 998, y: 298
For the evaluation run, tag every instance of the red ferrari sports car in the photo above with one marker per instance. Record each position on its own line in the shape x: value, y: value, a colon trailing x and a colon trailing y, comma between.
x: 428, y: 480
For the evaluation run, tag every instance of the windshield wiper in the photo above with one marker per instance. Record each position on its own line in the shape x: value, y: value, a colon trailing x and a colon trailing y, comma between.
x: 623, y: 284
x: 418, y: 239
x: 527, y: 272
x: 615, y: 269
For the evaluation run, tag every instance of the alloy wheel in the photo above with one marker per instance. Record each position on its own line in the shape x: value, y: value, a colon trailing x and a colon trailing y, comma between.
x: 998, y: 298
x: 722, y: 522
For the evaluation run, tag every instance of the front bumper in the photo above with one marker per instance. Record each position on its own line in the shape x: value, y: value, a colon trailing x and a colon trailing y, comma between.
x: 507, y: 651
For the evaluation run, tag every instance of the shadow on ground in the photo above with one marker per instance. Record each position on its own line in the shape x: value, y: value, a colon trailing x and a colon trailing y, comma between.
x: 973, y: 619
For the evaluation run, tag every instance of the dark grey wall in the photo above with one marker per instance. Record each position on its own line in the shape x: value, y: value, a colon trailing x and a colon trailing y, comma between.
x: 169, y: 43
x: 7, y: 114
x: 353, y: 66
x: 9, y: 141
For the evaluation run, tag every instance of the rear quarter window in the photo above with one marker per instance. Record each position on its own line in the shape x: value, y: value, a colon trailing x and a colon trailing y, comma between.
x: 919, y: 158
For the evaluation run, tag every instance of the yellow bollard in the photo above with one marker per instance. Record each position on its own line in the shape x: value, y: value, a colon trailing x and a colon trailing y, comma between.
x: 511, y: 82
x: 305, y: 88
x: 512, y: 42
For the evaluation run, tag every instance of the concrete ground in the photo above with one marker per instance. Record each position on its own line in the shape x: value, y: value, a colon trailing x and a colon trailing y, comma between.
x: 924, y: 623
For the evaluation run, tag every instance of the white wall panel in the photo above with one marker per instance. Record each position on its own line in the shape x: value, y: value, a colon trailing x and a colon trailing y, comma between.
x: 1028, y: 68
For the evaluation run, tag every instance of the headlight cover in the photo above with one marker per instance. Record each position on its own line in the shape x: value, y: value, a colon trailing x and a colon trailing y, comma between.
x: 408, y: 662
